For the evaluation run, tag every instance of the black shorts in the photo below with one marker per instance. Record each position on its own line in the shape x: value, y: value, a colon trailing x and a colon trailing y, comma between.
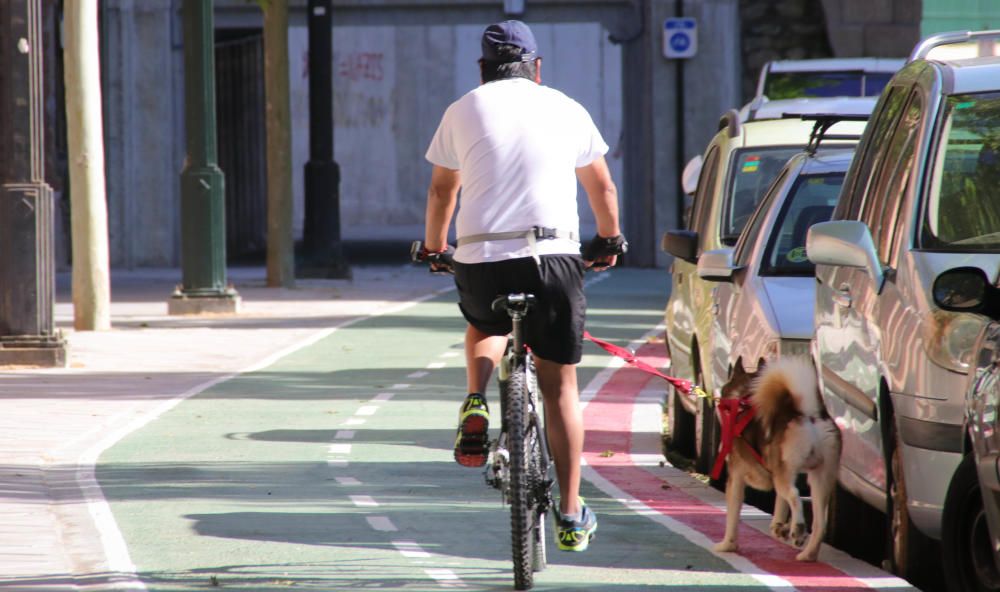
x: 554, y: 328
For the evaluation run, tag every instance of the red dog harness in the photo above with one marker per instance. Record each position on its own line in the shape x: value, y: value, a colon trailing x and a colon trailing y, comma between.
x: 734, y: 417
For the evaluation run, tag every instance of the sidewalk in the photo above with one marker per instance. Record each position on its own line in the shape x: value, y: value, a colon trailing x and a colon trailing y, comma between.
x: 54, y: 423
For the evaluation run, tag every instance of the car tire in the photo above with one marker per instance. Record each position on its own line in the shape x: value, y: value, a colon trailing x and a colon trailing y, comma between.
x: 965, y: 539
x: 680, y: 424
x: 906, y: 547
x: 707, y: 432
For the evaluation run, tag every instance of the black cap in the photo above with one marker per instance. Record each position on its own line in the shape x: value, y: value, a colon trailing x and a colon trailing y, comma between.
x: 513, y: 33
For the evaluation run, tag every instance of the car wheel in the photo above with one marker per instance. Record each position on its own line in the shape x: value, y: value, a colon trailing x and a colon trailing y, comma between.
x: 905, y: 544
x: 680, y: 424
x: 965, y: 538
x: 707, y: 432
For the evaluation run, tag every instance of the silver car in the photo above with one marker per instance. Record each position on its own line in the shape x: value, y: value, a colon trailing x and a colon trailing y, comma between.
x: 921, y: 197
x: 763, y: 304
x: 970, y: 527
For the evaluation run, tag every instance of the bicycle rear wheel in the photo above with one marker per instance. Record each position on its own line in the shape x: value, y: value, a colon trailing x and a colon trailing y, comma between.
x: 522, y: 511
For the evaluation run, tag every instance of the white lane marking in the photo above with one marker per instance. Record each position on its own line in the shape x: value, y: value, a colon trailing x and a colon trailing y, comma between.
x: 417, y: 374
x: 381, y: 397
x: 366, y: 410
x: 349, y: 481
x: 450, y: 354
x: 436, y: 365
x: 339, y: 449
x: 381, y: 523
x: 112, y: 541
x: 410, y: 549
x: 364, y: 501
x: 399, y: 387
x: 354, y: 421
x: 344, y: 435
x: 445, y: 577
x: 337, y: 463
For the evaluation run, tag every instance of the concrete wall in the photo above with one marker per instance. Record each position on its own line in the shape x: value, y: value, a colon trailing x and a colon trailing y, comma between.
x: 876, y: 28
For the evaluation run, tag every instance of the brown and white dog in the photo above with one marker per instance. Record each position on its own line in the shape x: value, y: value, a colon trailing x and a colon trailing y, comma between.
x: 793, y: 434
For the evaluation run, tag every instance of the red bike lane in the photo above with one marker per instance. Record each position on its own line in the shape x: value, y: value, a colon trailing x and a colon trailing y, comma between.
x: 611, y: 451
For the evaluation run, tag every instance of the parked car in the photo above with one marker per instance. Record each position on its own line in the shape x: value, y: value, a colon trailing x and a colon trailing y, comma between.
x: 970, y: 525
x: 833, y: 77
x: 763, y: 302
x: 920, y: 197
x: 738, y: 166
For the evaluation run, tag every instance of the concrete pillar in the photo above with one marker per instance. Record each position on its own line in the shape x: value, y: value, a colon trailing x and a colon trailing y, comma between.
x: 27, y: 265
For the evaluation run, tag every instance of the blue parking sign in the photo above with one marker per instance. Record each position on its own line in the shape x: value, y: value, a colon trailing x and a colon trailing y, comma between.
x: 680, y: 37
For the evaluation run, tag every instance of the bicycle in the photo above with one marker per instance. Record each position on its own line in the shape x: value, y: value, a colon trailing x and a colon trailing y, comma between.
x: 519, y: 464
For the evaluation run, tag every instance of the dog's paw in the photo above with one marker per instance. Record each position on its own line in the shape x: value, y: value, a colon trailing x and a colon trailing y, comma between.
x: 807, y: 556
x: 798, y: 535
x: 780, y: 531
x: 726, y: 547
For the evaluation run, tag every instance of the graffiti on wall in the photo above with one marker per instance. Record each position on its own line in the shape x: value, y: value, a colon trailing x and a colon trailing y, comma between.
x: 356, y: 105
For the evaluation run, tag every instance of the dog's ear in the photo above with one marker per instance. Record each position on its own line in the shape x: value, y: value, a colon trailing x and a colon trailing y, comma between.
x: 738, y: 370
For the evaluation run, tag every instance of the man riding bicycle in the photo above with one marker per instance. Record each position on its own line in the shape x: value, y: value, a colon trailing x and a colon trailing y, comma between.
x: 516, y: 149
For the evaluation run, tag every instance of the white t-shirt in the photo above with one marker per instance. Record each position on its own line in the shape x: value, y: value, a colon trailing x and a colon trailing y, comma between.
x: 516, y: 145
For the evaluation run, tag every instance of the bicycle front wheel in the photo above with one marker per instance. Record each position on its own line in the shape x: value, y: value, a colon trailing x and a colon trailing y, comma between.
x: 522, y: 511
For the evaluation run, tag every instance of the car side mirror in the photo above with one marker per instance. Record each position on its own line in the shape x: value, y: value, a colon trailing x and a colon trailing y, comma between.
x: 962, y: 289
x: 716, y: 265
x: 682, y: 244
x: 846, y: 243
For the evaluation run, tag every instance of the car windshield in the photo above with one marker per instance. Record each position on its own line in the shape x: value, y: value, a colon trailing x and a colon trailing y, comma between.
x: 962, y: 212
x: 753, y: 172
x: 794, y: 85
x: 810, y: 200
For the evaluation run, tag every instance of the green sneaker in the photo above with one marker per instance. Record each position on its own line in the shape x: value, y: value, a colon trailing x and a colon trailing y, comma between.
x: 472, y: 441
x: 573, y: 535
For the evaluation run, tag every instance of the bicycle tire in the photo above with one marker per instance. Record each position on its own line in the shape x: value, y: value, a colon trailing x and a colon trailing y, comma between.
x: 521, y: 507
x: 540, y: 461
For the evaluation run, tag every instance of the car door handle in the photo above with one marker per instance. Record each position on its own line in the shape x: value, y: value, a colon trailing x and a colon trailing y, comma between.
x: 842, y: 297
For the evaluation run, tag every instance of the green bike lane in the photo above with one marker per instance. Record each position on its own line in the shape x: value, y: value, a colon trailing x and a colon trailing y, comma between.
x: 331, y: 469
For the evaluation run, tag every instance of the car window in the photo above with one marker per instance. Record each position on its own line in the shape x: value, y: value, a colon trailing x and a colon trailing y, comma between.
x: 744, y: 246
x: 705, y: 190
x: 962, y: 212
x: 870, y: 153
x: 752, y: 172
x: 794, y: 85
x: 810, y: 200
x: 889, y: 187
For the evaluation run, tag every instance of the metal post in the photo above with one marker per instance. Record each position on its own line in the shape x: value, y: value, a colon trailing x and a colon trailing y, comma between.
x: 322, y: 252
x: 203, y: 230
x: 27, y: 244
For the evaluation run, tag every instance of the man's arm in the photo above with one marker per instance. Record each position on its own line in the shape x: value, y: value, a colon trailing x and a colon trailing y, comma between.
x: 603, y: 197
x: 442, y: 195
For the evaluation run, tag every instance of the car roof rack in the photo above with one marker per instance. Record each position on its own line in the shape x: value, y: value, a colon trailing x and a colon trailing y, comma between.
x: 730, y: 120
x: 949, y: 38
x: 824, y: 121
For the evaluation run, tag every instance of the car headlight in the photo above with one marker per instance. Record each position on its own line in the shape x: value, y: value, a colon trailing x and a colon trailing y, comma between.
x: 950, y: 337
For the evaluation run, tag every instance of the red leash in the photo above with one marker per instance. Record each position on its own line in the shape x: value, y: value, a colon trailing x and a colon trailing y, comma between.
x: 684, y: 386
x: 734, y: 414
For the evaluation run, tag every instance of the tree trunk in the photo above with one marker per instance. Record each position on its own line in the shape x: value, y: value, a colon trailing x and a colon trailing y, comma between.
x: 88, y: 205
x: 280, y: 243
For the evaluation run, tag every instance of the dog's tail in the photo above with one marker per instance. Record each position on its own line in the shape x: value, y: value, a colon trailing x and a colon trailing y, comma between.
x: 787, y: 389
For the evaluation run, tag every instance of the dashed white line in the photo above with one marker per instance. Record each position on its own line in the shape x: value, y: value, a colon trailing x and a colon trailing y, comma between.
x: 349, y: 481
x: 344, y: 435
x: 366, y: 410
x: 354, y: 421
x: 381, y: 523
x: 364, y: 501
x: 337, y: 463
x: 436, y: 365
x: 450, y: 354
x: 382, y: 397
x: 445, y: 577
x: 399, y: 387
x: 410, y: 549
x: 417, y: 374
x: 339, y: 449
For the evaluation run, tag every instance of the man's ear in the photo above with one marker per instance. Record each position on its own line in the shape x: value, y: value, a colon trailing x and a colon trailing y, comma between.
x: 480, y: 62
x: 538, y: 70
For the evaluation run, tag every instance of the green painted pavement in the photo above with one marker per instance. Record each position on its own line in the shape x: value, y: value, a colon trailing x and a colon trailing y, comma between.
x: 331, y: 470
